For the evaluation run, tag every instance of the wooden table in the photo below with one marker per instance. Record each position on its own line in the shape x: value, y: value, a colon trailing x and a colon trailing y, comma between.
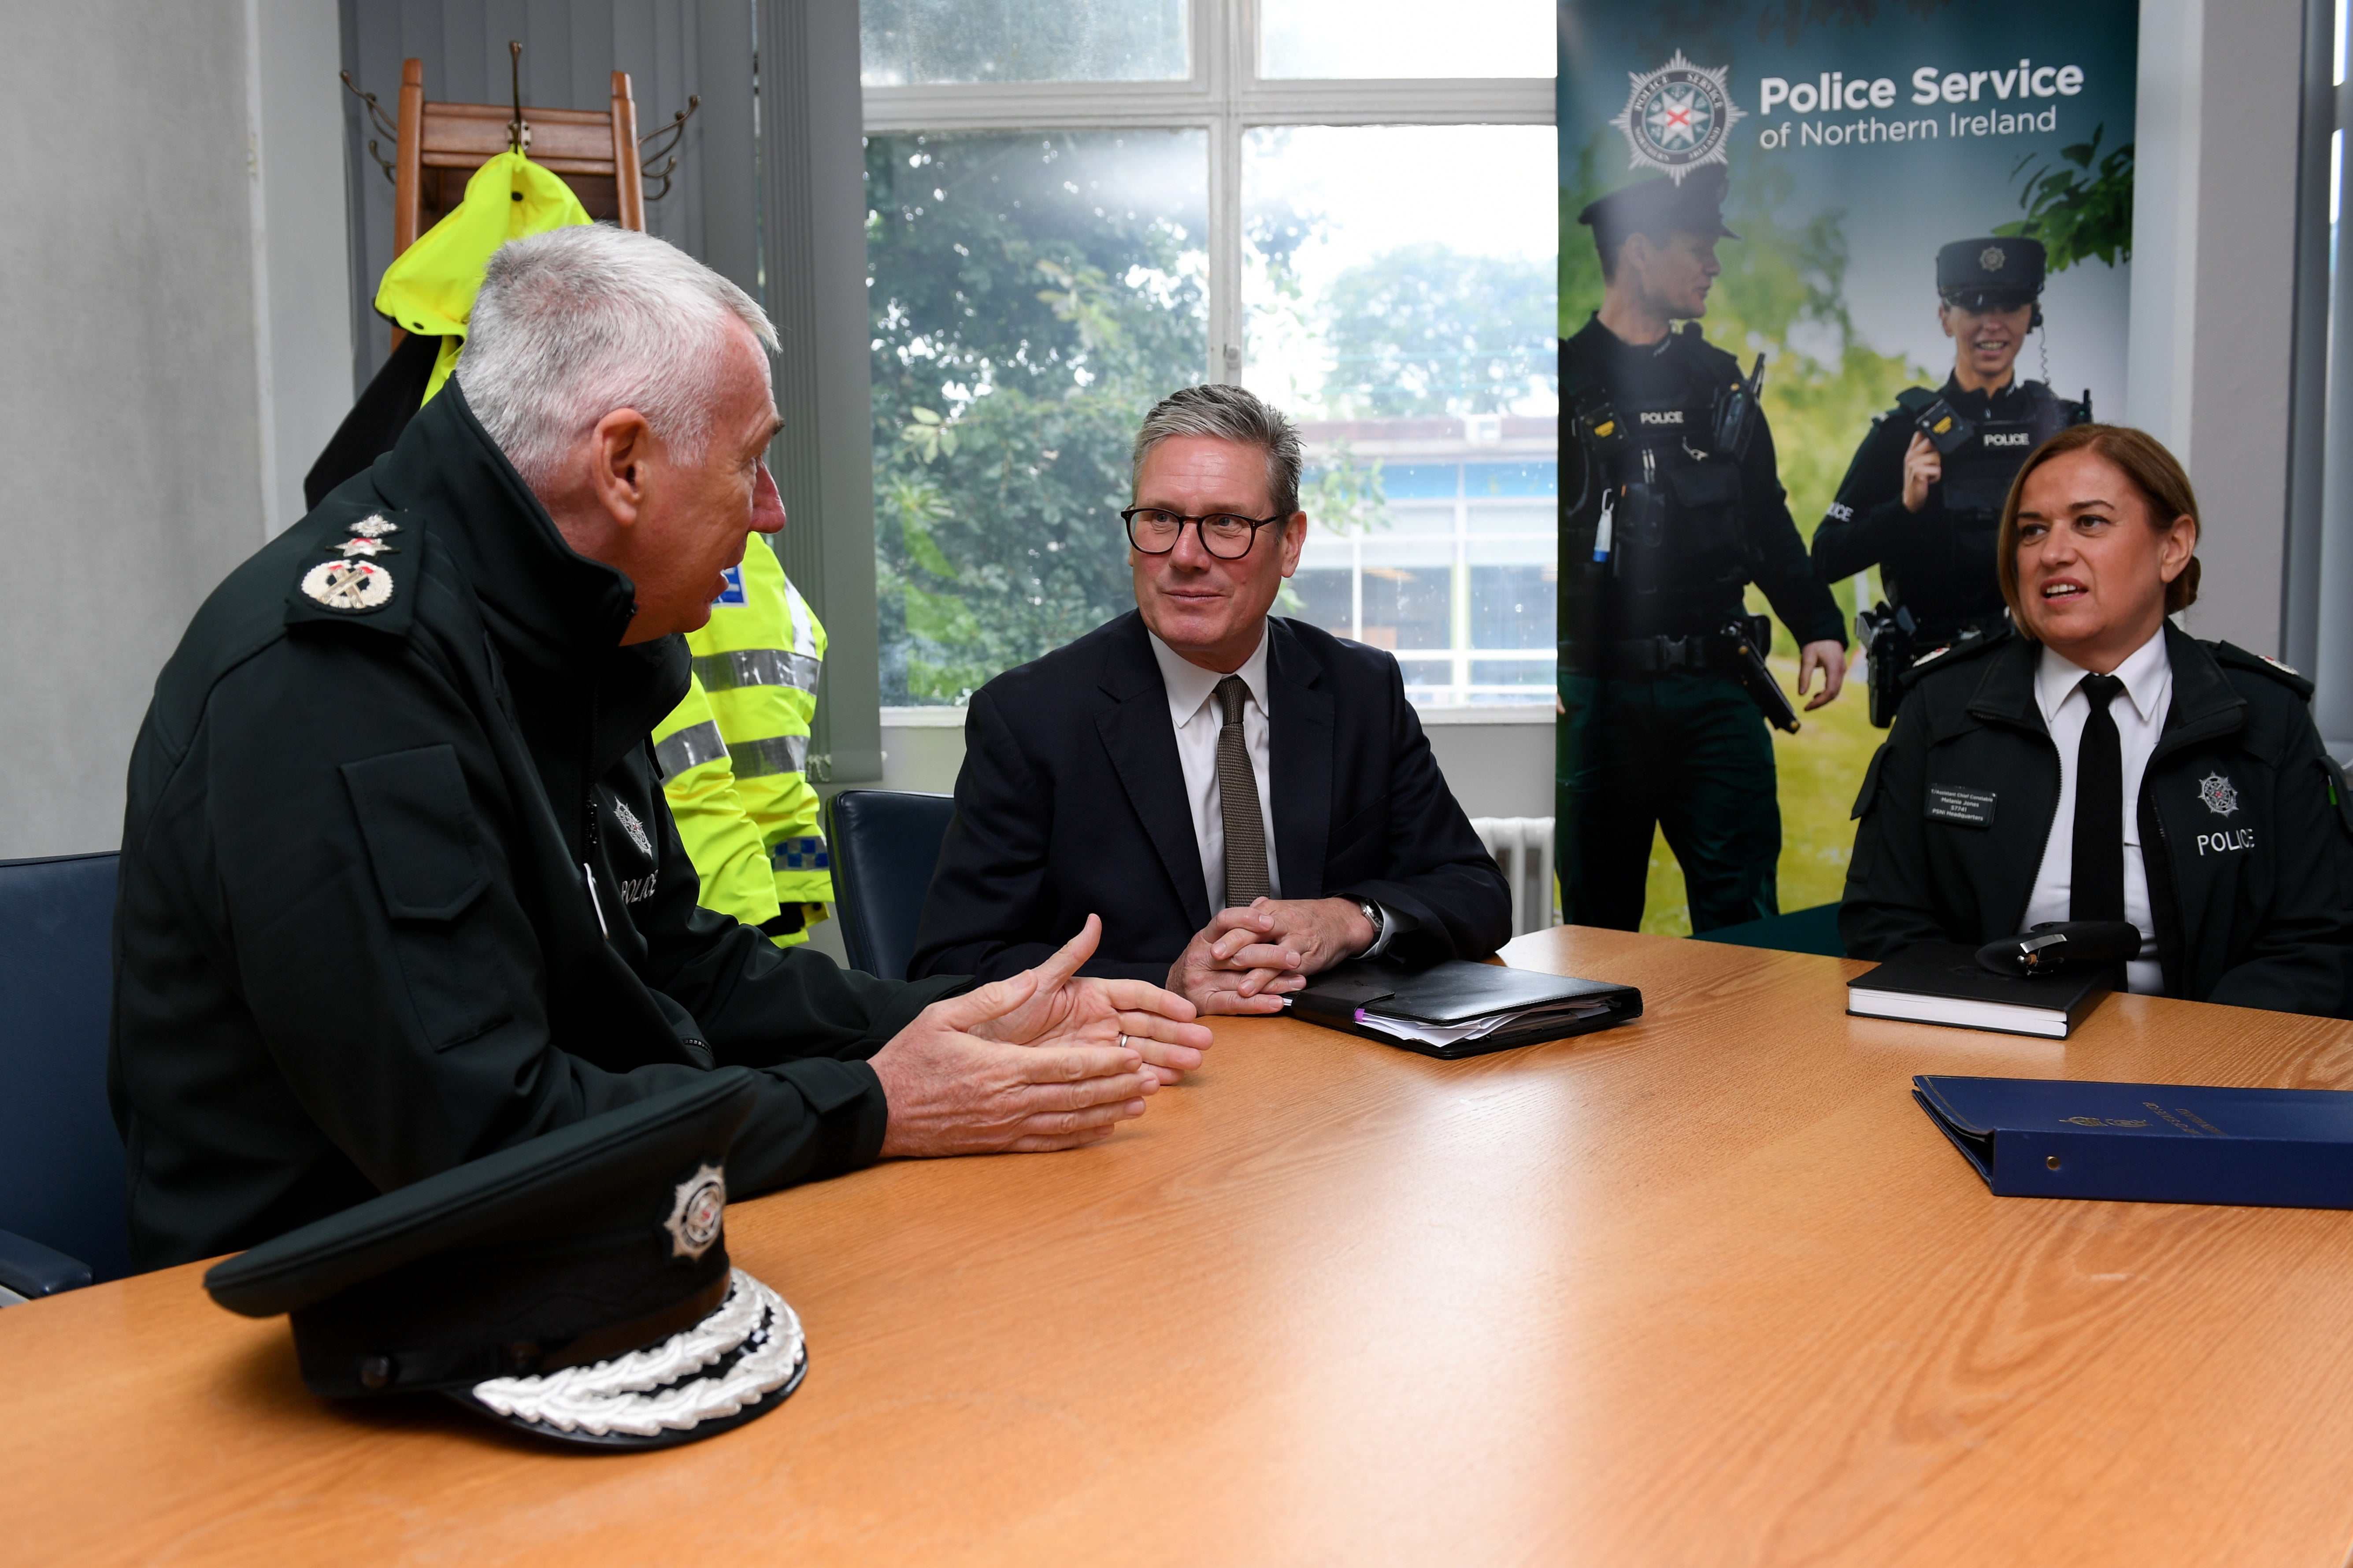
x: 1706, y: 1289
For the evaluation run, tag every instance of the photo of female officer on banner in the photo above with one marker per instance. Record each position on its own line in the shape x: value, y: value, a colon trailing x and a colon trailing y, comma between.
x: 1921, y: 501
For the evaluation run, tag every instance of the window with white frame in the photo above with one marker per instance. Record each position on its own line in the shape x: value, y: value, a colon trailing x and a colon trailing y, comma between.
x: 1077, y: 205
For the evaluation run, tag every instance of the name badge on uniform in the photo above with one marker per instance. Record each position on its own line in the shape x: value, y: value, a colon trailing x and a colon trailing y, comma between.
x: 1956, y: 802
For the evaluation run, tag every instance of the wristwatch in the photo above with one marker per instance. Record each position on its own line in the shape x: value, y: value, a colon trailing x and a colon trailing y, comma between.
x: 1380, y: 920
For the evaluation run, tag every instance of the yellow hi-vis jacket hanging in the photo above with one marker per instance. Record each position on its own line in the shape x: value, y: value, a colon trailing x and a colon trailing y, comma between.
x: 429, y: 289
x: 734, y: 754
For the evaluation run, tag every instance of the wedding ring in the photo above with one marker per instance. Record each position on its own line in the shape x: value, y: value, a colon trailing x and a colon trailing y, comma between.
x: 1122, y: 1042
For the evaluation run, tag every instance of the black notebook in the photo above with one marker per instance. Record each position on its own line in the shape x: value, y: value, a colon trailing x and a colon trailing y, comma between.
x: 1943, y: 982
x: 1458, y: 1009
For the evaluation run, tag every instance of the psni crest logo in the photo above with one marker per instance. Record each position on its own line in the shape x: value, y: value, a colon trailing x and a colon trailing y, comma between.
x: 1678, y: 117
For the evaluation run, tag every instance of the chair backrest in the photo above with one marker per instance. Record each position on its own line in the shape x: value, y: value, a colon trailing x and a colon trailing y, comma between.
x: 885, y: 843
x: 61, y: 1170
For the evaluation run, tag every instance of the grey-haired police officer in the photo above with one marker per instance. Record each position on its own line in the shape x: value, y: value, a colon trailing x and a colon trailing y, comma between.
x: 1922, y: 498
x: 1671, y: 506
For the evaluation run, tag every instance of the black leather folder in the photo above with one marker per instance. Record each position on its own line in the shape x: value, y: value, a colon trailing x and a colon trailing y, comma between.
x: 1454, y: 1009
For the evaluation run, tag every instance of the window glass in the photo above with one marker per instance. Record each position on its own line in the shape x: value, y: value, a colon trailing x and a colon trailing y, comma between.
x: 1404, y: 38
x: 1400, y: 297
x: 902, y: 42
x: 1032, y: 296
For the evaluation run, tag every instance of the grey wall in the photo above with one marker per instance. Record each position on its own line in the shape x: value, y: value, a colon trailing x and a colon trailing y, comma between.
x: 2213, y: 285
x: 137, y: 180
x: 306, y: 344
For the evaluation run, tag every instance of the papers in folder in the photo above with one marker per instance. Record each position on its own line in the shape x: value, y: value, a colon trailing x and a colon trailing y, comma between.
x: 1478, y: 1028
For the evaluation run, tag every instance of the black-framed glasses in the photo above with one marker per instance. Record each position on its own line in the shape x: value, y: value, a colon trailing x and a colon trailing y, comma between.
x: 1156, y: 532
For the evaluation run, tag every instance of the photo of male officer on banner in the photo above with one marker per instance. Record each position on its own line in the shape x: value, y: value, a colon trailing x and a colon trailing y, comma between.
x: 1672, y: 506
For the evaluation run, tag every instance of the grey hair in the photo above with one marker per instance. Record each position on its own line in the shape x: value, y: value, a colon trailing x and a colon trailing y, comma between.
x: 1229, y: 414
x: 575, y: 324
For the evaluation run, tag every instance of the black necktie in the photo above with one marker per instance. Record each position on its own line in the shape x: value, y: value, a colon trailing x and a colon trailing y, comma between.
x: 2098, y: 875
x: 1246, y: 876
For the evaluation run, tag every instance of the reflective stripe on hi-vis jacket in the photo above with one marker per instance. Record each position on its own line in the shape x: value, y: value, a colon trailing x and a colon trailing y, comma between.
x: 690, y: 747
x: 730, y: 858
x: 757, y: 667
x: 770, y: 754
x: 756, y: 664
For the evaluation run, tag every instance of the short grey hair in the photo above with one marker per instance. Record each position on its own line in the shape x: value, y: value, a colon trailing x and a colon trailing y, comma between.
x: 575, y: 324
x: 1229, y: 414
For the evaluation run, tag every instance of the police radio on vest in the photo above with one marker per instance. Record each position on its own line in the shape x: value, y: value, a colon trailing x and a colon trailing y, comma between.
x: 1833, y: 93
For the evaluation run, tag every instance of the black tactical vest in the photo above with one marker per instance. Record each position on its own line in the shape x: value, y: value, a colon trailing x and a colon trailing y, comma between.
x: 1660, y: 508
x: 1978, y: 475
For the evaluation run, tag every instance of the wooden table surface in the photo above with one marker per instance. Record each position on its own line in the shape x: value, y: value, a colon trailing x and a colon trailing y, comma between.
x: 1705, y: 1290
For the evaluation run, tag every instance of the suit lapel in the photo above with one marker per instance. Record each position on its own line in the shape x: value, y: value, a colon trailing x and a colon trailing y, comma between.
x: 1142, y: 745
x: 1300, y: 771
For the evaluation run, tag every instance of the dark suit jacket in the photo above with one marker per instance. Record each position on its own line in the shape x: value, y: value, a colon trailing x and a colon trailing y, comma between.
x: 1072, y: 802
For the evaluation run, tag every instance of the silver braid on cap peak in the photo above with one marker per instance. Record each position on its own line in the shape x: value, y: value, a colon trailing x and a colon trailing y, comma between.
x: 609, y: 1396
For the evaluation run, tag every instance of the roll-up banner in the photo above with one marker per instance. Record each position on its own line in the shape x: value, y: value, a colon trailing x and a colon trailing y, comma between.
x: 1854, y: 140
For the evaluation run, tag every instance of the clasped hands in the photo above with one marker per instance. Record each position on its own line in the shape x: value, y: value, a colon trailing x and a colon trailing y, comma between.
x: 1042, y: 1060
x: 1245, y: 960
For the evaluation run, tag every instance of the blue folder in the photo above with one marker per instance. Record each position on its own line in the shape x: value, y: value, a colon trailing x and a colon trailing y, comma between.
x: 2149, y: 1143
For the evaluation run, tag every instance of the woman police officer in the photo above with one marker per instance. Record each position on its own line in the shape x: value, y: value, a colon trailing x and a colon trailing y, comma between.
x: 2104, y: 764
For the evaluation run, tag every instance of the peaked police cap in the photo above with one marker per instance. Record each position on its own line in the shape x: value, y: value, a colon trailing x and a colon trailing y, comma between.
x: 576, y: 1285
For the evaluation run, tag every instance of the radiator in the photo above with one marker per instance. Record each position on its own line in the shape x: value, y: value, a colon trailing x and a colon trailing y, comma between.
x: 1522, y: 846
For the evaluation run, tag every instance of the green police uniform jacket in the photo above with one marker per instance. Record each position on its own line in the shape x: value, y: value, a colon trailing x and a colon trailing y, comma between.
x: 398, y: 887
x: 2252, y: 896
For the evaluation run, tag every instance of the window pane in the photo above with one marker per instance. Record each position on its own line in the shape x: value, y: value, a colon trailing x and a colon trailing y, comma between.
x: 1400, y: 298
x: 1427, y: 680
x: 1402, y: 273
x: 1513, y: 606
x: 1407, y: 608
x: 1403, y: 38
x: 1032, y: 296
x: 902, y: 42
x: 1323, y: 595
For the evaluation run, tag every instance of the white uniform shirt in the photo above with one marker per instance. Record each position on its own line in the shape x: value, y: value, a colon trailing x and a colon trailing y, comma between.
x: 2139, y: 713
x: 1197, y: 722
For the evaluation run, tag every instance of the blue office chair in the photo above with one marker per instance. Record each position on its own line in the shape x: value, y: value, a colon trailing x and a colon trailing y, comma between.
x: 1800, y: 930
x: 885, y: 843
x: 63, y: 1214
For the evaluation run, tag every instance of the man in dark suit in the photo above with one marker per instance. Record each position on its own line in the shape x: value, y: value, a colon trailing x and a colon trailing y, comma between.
x: 1244, y: 799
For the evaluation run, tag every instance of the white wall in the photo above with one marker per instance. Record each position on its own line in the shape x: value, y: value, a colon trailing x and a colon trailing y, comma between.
x: 137, y: 405
x: 2213, y: 285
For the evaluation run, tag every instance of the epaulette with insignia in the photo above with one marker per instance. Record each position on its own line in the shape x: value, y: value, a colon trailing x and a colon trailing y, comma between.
x: 2263, y: 663
x: 1913, y: 399
x: 1965, y: 647
x: 356, y: 581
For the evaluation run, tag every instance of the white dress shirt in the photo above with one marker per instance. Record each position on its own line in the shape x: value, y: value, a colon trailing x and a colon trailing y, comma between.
x: 2139, y: 713
x: 1197, y: 722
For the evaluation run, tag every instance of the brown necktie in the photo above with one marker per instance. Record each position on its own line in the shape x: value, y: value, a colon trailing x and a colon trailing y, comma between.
x: 1246, y: 876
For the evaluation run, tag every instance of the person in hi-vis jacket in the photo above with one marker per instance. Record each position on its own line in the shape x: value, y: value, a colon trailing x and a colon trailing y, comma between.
x: 734, y: 754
